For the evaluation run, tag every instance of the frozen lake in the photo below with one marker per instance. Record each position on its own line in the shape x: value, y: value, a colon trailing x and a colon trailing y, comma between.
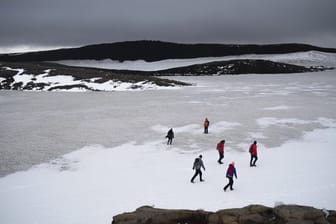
x: 36, y: 127
x: 105, y: 152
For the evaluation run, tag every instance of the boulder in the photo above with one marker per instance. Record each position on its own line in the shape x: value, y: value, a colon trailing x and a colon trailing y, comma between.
x: 252, y: 214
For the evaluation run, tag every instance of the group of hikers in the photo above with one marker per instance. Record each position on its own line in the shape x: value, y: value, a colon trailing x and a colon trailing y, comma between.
x: 231, y: 170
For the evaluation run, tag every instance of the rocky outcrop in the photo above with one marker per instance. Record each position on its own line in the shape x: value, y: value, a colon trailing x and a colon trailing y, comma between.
x: 253, y: 214
x: 235, y: 67
x: 42, y: 76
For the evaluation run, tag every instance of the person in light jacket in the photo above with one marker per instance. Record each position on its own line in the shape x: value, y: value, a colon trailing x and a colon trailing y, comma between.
x: 198, y: 164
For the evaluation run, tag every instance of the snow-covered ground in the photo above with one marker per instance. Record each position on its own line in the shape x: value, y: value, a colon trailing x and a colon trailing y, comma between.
x: 115, y: 158
x: 52, y: 82
x: 310, y: 58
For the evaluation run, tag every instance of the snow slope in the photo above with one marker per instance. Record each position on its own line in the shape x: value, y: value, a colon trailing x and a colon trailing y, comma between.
x: 310, y: 58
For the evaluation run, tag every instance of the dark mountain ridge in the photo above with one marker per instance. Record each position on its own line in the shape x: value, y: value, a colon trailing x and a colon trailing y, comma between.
x: 158, y: 50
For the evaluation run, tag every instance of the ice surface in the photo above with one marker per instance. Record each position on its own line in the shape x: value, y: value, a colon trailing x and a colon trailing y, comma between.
x: 280, y: 107
x: 39, y: 126
x: 97, y: 154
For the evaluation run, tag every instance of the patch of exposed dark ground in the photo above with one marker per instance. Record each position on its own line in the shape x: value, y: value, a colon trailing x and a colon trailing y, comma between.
x: 79, y: 73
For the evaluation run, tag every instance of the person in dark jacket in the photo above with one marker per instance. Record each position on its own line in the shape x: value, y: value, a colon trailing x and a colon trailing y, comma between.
x: 220, y: 149
x: 198, y: 164
x: 254, y: 153
x: 206, y: 125
x: 170, y: 136
x: 231, y: 171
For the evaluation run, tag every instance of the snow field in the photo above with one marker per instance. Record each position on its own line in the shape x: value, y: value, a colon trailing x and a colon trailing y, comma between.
x: 310, y: 58
x: 94, y: 183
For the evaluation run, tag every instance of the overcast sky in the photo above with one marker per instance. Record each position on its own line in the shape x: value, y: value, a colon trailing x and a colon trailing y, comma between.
x: 35, y: 24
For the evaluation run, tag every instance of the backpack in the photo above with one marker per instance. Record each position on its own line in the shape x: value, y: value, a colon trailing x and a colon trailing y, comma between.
x: 250, y: 149
x: 197, y: 164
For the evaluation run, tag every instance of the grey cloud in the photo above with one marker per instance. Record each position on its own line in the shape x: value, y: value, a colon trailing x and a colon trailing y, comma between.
x: 80, y: 22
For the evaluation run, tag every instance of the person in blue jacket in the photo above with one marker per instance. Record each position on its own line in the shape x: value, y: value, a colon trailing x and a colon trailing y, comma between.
x: 231, y: 171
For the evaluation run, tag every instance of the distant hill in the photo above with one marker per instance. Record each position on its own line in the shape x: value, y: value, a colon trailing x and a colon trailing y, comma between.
x: 234, y: 67
x: 157, y: 50
x: 34, y: 70
x: 43, y: 76
x: 52, y: 76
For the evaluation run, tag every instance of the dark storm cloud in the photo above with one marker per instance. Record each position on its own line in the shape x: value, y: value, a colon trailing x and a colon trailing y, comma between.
x: 80, y: 22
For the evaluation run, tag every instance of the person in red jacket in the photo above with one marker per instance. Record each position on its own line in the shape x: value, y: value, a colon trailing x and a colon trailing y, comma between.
x: 254, y: 153
x: 231, y: 171
x: 220, y: 149
x: 206, y: 125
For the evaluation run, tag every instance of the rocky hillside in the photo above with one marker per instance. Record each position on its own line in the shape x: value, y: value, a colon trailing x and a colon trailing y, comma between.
x: 157, y: 50
x: 253, y: 214
x: 34, y: 70
x: 233, y: 67
x: 50, y: 76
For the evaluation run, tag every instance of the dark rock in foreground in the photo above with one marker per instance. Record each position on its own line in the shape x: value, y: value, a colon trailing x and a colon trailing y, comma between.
x: 253, y: 214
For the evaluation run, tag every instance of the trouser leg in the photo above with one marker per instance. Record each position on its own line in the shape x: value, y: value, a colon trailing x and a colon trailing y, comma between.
x: 195, y: 175
x: 221, y: 156
x: 200, y: 174
x: 229, y: 184
x: 255, y: 160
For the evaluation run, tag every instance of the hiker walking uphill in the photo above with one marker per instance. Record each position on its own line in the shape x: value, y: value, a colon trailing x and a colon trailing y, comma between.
x: 231, y: 171
x: 170, y: 136
x: 198, y: 164
x: 254, y: 154
x: 206, y: 125
x: 220, y: 149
